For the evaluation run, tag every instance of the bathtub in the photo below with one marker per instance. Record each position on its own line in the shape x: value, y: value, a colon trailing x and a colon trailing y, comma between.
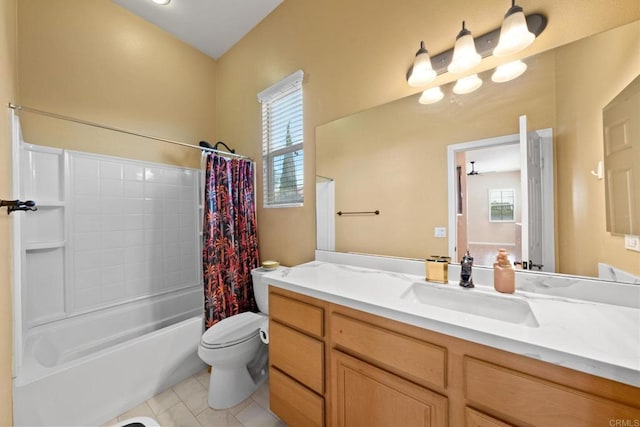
x: 91, y: 368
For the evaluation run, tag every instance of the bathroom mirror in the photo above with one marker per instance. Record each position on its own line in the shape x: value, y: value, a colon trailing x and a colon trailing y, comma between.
x: 393, y: 158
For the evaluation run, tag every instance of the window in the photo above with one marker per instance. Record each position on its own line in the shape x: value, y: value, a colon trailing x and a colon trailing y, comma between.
x: 502, y: 205
x: 282, y: 138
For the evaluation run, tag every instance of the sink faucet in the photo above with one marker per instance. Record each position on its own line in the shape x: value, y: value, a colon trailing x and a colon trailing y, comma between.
x: 466, y: 281
x: 532, y: 266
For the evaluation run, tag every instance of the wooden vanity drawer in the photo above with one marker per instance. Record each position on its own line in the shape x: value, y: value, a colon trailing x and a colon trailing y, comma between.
x: 473, y: 418
x: 302, y: 316
x: 293, y: 403
x: 536, y: 401
x: 297, y: 355
x: 411, y: 358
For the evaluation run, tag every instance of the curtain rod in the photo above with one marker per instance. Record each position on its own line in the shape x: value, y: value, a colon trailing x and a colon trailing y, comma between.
x: 126, y: 131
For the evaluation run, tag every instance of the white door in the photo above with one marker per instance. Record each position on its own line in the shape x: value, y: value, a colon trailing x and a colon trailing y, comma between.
x: 621, y: 161
x: 538, y: 248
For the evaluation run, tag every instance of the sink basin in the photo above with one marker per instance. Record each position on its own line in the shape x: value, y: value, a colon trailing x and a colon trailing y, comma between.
x: 471, y: 301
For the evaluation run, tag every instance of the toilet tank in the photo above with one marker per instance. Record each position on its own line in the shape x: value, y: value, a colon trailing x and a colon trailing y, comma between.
x: 261, y: 288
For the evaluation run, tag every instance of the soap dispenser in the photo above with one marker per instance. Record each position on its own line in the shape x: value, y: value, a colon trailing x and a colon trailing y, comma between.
x: 504, y: 277
x: 466, y: 281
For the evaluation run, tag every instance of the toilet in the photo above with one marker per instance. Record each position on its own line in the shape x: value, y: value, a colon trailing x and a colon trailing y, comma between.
x: 234, y: 350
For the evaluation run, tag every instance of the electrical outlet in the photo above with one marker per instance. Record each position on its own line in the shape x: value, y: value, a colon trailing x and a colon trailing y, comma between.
x: 632, y: 242
x: 440, y: 232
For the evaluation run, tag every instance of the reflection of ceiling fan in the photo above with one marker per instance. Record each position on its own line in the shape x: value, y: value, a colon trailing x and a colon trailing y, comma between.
x: 473, y: 169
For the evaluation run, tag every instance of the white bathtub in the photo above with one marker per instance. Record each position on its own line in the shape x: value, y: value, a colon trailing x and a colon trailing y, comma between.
x: 91, y: 368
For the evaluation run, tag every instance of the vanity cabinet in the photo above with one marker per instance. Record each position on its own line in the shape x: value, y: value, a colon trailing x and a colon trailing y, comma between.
x: 347, y: 368
x: 296, y: 358
x: 384, y: 376
x: 470, y: 384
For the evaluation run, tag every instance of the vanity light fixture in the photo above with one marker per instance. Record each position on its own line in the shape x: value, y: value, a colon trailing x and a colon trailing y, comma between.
x: 431, y: 96
x: 467, y: 84
x: 514, y: 34
x: 509, y: 71
x: 161, y: 2
x: 427, y: 67
x: 465, y: 56
x: 422, y: 73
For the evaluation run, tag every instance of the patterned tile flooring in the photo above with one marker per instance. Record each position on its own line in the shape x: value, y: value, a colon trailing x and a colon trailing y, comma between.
x: 185, y: 405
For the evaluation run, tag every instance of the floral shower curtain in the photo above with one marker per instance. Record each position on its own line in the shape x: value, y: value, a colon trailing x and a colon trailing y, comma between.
x: 230, y: 238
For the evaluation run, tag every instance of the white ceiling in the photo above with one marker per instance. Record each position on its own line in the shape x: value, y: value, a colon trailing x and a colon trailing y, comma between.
x: 211, y: 26
x: 495, y: 159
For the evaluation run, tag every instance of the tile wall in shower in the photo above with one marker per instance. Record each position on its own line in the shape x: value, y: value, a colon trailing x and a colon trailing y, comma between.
x: 133, y: 229
x: 107, y: 231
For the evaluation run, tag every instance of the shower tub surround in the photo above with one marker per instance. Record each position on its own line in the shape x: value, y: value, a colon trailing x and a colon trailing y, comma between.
x: 109, y: 295
x: 583, y: 324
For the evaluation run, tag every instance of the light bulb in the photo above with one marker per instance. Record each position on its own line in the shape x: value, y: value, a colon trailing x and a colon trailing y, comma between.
x: 161, y: 2
x: 465, y: 56
x: 508, y: 71
x: 422, y: 73
x: 467, y: 84
x: 431, y: 96
x: 514, y: 33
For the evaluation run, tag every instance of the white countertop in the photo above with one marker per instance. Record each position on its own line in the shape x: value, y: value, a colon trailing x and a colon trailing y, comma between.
x: 598, y: 338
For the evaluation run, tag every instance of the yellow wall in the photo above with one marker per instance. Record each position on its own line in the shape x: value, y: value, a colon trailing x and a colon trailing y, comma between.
x: 355, y: 55
x: 96, y: 61
x: 7, y: 94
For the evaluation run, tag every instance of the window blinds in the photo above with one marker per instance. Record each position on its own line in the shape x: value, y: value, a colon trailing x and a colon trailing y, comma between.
x: 282, y: 142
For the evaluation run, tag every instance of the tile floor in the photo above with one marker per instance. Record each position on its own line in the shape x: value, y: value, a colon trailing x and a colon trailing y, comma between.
x: 185, y: 405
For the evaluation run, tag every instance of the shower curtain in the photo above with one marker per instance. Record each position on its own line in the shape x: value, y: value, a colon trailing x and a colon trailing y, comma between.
x: 230, y: 238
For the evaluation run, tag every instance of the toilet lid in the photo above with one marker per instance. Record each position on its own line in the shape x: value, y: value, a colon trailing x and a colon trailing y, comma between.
x: 233, y: 330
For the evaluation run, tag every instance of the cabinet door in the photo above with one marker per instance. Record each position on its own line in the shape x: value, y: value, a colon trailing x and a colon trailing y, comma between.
x: 366, y: 396
x: 473, y: 418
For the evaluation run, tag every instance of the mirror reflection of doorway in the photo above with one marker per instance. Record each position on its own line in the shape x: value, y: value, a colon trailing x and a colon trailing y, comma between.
x: 501, y: 196
x: 489, y: 202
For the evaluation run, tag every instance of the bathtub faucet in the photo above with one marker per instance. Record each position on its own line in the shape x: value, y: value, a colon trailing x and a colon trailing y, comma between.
x: 18, y: 205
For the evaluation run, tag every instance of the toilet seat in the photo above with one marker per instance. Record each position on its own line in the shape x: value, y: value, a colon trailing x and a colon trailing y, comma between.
x: 233, y: 330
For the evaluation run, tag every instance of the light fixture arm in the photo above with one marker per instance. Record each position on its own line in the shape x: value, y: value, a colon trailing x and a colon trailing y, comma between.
x: 463, y: 32
x: 422, y: 49
x: 513, y: 9
x: 487, y: 42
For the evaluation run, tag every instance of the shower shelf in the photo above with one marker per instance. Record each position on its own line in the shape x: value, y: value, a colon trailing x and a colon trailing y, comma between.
x: 51, y: 203
x: 44, y: 245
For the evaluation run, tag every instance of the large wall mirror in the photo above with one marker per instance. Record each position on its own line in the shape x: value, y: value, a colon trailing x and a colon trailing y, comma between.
x: 393, y: 158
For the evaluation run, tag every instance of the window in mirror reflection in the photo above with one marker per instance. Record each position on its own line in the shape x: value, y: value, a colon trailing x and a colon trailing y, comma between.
x: 502, y: 205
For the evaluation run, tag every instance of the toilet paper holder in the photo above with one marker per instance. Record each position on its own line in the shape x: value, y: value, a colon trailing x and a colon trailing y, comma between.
x: 264, y: 332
